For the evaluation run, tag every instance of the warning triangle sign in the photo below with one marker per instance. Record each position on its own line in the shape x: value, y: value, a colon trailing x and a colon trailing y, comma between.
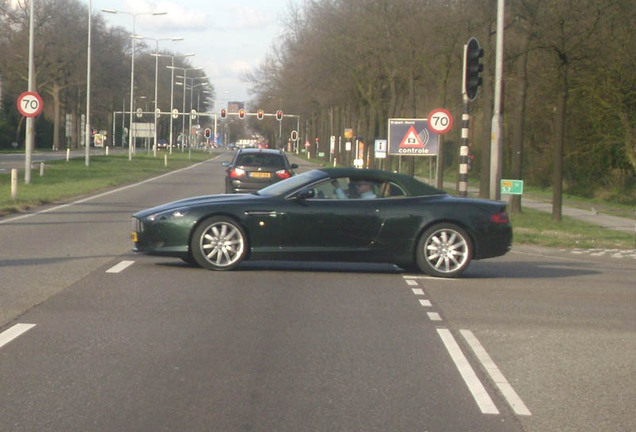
x: 411, y: 139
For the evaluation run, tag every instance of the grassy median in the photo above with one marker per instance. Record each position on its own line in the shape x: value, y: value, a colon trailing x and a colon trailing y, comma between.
x: 64, y: 180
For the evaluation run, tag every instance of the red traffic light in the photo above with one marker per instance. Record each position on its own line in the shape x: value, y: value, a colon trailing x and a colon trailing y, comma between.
x: 207, y: 132
x: 223, y: 113
x: 259, y: 114
x: 279, y: 115
x: 241, y: 113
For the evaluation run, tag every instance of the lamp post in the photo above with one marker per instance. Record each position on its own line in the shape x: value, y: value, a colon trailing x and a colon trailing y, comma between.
x: 87, y: 138
x: 134, y: 15
x: 171, y: 67
x: 29, y: 137
x: 157, y: 40
x: 185, y: 74
x: 192, y: 86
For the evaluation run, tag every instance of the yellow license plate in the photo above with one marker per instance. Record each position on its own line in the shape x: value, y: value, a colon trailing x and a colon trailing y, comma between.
x: 260, y: 174
x: 133, y: 237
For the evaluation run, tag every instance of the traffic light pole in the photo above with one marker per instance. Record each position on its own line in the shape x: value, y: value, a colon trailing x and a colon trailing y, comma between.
x: 464, y: 151
x: 470, y: 85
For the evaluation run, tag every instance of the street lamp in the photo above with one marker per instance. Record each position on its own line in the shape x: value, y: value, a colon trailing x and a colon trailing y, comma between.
x: 185, y: 74
x: 134, y: 15
x: 87, y: 138
x: 154, y: 152
x: 172, y: 90
x: 192, y: 86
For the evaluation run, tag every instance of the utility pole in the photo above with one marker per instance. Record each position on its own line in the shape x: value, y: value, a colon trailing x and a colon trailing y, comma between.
x: 496, y: 140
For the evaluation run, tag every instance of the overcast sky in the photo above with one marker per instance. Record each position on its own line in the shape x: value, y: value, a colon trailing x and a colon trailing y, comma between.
x: 228, y: 37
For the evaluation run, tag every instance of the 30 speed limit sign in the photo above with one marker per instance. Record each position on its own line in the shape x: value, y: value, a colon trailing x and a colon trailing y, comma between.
x: 440, y: 121
x: 29, y: 104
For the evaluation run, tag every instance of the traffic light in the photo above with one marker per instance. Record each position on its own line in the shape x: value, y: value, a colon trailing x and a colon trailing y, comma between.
x: 241, y: 113
x: 279, y: 115
x: 223, y: 113
x: 260, y: 114
x: 207, y: 132
x: 473, y: 67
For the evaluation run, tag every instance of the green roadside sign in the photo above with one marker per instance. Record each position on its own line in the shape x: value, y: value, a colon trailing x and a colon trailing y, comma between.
x: 512, y: 187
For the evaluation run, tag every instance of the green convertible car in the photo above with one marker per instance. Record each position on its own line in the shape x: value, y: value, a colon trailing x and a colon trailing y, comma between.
x: 331, y: 214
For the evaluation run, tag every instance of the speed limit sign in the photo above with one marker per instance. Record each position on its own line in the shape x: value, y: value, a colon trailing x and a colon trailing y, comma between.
x: 440, y: 121
x: 29, y: 104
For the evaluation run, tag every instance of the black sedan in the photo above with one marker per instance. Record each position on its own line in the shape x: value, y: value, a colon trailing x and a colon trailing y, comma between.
x: 331, y: 214
x: 252, y: 169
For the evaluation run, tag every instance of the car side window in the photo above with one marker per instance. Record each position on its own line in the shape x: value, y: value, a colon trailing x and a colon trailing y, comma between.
x: 331, y: 189
x: 347, y: 188
x: 391, y: 190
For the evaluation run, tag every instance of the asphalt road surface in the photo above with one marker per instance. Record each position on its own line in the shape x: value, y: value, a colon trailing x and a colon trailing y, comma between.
x: 94, y: 337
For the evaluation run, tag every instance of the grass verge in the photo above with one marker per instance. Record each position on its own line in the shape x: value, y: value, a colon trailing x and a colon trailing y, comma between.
x: 63, y: 180
x: 537, y: 228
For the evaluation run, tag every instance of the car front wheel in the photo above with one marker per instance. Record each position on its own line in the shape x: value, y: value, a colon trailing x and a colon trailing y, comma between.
x: 444, y: 250
x: 218, y: 243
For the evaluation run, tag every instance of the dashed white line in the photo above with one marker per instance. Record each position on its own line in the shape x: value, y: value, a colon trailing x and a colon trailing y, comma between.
x: 14, y: 332
x: 477, y: 389
x: 426, y: 303
x: 411, y: 282
x: 434, y: 316
x: 506, y: 389
x: 120, y: 267
x: 418, y: 291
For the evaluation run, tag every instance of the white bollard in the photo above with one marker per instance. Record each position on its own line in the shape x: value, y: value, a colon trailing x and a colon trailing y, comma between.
x: 68, y: 154
x: 106, y: 150
x: 165, y: 160
x: 14, y: 183
x: 41, y: 169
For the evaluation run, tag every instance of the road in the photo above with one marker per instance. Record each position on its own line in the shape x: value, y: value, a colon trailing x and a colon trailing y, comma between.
x: 94, y: 337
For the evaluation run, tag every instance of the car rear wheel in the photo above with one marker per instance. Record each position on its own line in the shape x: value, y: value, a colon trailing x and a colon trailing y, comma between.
x: 444, y: 250
x: 218, y: 243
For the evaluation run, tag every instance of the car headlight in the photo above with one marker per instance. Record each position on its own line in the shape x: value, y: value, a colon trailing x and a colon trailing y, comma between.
x: 167, y: 215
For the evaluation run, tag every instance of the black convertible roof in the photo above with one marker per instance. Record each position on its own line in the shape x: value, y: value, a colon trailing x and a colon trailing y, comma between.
x: 413, y: 185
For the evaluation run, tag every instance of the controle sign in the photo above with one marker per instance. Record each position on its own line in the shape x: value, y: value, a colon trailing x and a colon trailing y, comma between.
x: 29, y: 104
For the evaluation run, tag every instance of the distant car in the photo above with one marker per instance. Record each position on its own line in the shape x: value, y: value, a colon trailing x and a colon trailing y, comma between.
x: 322, y: 215
x: 162, y: 144
x: 253, y: 169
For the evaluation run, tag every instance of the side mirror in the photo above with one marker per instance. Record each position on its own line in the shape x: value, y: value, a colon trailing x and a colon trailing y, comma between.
x: 294, y: 166
x: 225, y: 163
x: 306, y: 194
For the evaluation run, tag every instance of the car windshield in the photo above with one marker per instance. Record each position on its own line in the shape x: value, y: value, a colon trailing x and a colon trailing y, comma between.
x: 293, y: 183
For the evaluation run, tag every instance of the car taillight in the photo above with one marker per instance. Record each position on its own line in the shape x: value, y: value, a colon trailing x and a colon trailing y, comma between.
x: 500, y: 218
x: 283, y: 174
x: 237, y: 173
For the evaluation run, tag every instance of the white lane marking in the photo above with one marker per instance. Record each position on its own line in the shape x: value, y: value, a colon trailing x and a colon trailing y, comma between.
x: 120, y: 267
x: 434, y: 316
x: 426, y: 303
x: 418, y: 291
x: 477, y: 389
x: 411, y: 282
x: 13, y: 332
x: 495, y: 374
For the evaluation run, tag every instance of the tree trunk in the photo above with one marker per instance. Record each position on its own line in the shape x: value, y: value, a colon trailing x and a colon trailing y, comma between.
x: 559, y: 145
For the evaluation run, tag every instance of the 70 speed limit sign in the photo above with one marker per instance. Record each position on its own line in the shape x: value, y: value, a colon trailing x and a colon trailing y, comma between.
x: 440, y: 121
x: 29, y: 104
